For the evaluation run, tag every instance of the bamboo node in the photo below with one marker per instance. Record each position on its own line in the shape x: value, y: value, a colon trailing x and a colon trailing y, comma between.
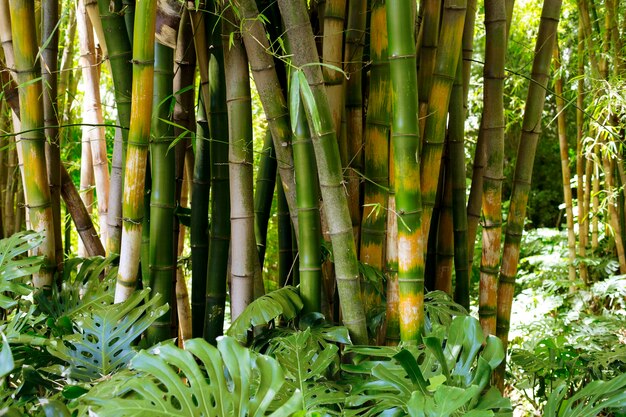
x: 147, y: 62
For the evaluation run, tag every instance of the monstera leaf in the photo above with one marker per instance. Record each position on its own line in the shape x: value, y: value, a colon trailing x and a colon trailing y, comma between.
x: 12, y: 269
x: 202, y: 380
x: 104, y: 336
x: 595, y: 397
x: 308, y: 365
x: 285, y: 302
x: 444, y: 377
x: 87, y: 283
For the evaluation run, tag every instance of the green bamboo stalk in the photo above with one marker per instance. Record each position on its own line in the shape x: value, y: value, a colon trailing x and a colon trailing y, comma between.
x: 199, y: 232
x: 376, y: 152
x: 445, y: 233
x: 300, y: 38
x: 493, y: 127
x: 404, y: 144
x: 457, y: 172
x: 129, y: 18
x: 582, y: 188
x: 219, y: 231
x: 353, y: 57
x: 565, y: 173
x: 264, y: 194
x: 136, y: 156
x: 112, y: 15
x: 431, y: 17
x: 49, y: 63
x: 285, y: 245
x: 531, y: 129
x: 308, y: 216
x: 32, y: 140
x: 439, y: 97
x: 162, y: 261
x: 392, y: 317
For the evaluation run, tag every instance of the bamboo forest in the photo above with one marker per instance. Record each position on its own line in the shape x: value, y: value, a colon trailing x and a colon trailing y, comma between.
x: 313, y: 208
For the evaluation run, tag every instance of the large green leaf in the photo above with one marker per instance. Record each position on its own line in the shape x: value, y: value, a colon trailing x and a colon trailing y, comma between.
x: 11, y: 269
x: 87, y: 283
x: 308, y: 366
x: 283, y: 302
x: 443, y: 377
x: 104, y: 336
x: 594, y: 398
x: 202, y: 380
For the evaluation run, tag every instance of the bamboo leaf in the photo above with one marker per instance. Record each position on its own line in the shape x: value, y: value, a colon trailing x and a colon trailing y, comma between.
x: 309, y: 102
x: 294, y: 99
x: 283, y: 302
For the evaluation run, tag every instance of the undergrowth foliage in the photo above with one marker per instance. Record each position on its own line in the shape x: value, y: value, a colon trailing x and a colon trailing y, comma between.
x: 72, y: 352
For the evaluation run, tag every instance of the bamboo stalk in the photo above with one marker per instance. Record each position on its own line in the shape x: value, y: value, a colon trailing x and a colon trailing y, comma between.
x: 353, y: 57
x: 263, y: 194
x: 565, y: 173
x: 300, y: 38
x: 457, y: 164
x: 286, y: 273
x: 119, y: 56
x: 445, y: 234
x: 136, y: 157
x: 531, y: 129
x: 81, y: 217
x: 49, y: 63
x: 272, y: 97
x: 199, y: 233
x: 439, y: 97
x: 92, y: 114
x: 32, y: 141
x: 492, y: 124
x: 332, y: 54
x: 240, y: 161
x: 219, y: 231
x: 431, y: 17
x: 582, y: 189
x: 182, y: 296
x: 404, y: 145
x: 162, y: 261
x: 376, y: 152
x: 308, y: 216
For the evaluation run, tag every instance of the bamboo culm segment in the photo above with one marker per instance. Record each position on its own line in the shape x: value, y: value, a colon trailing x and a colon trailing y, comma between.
x: 120, y: 54
x: 300, y: 38
x: 239, y: 103
x: 137, y: 152
x: 444, y: 72
x: 162, y: 261
x: 492, y: 124
x: 49, y: 64
x: 264, y: 194
x: 309, y: 226
x: 531, y: 129
x: 32, y: 140
x: 219, y: 229
x: 404, y: 147
x: 200, y: 191
x: 457, y: 172
x: 272, y: 98
x: 376, y: 153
